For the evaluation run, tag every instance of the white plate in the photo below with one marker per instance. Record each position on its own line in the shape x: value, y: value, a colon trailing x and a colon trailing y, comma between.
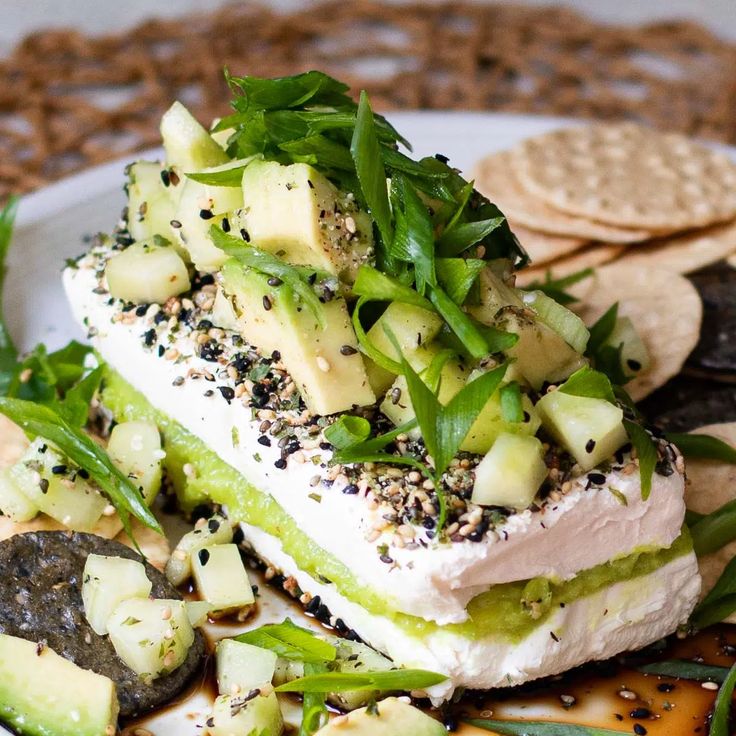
x: 53, y: 221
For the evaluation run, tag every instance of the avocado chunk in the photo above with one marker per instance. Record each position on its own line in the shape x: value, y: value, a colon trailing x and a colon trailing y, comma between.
x: 511, y: 473
x: 200, y: 206
x: 242, y: 667
x: 43, y: 694
x: 239, y: 715
x: 324, y: 363
x: 187, y: 144
x: 147, y: 272
x: 591, y: 430
x: 296, y: 211
x: 540, y: 353
x: 412, y: 327
x: 390, y: 717
x: 222, y: 579
x: 151, y: 204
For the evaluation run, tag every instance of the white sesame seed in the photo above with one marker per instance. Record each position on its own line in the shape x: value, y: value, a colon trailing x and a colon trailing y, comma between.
x: 627, y: 695
x: 323, y: 364
x: 709, y: 685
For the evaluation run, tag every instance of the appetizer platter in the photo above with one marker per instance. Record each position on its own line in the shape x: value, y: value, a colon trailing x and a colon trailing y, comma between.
x: 345, y: 442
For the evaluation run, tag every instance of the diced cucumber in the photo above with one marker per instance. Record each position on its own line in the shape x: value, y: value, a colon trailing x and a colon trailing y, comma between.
x: 397, y: 405
x: 495, y: 294
x: 13, y: 502
x: 151, y: 204
x: 107, y: 582
x: 511, y: 473
x: 187, y: 144
x: 135, y: 448
x: 200, y: 207
x: 215, y: 530
x: 198, y: 612
x: 540, y: 353
x: 223, y: 313
x: 43, y: 694
x: 591, y: 430
x: 353, y: 656
x: 412, y: 327
x: 635, y: 357
x: 490, y: 424
x: 242, y: 667
x: 287, y: 670
x: 564, y: 322
x: 57, y: 488
x: 240, y: 716
x: 146, y: 273
x: 222, y: 579
x: 152, y: 637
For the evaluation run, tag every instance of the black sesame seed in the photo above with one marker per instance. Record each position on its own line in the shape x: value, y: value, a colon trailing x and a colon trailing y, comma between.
x: 634, y: 365
x: 225, y: 225
x: 665, y: 687
x: 265, y: 441
x: 149, y: 337
x: 166, y: 177
x: 204, y: 556
x: 640, y: 713
x: 210, y: 351
x: 159, y: 318
x: 175, y: 224
x: 597, y: 479
x: 141, y: 310
x: 58, y: 469
x: 386, y: 559
x: 43, y: 484
x: 161, y: 350
x: 325, y: 446
x: 441, y: 158
x: 280, y: 463
x: 238, y: 536
x: 351, y: 489
x: 274, y: 281
x: 267, y: 303
x: 276, y: 356
x: 348, y: 350
x: 213, y: 525
x: 639, y: 730
x: 590, y: 446
x: 204, y: 325
x: 206, y: 214
x: 82, y: 473
x: 244, y: 235
x: 227, y: 393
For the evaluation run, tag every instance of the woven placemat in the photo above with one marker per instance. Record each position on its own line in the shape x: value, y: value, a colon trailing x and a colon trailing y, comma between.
x: 68, y: 101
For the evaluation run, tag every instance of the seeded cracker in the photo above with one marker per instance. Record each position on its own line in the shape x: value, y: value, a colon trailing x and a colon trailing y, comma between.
x: 686, y: 253
x: 710, y: 484
x: 629, y: 176
x: 543, y: 248
x: 664, y: 307
x: 495, y: 177
x: 591, y: 257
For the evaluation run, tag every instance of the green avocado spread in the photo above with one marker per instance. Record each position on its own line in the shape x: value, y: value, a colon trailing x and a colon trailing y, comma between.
x: 511, y: 611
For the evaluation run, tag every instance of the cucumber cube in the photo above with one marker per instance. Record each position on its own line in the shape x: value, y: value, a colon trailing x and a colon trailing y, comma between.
x: 564, y: 322
x: 353, y: 656
x: 222, y: 579
x: 187, y: 144
x: 635, y: 357
x: 198, y: 612
x: 151, y: 206
x: 215, y: 530
x: 495, y: 294
x: 242, y: 667
x: 57, y: 488
x: 152, y: 637
x: 145, y: 273
x: 591, y: 430
x: 107, y: 582
x: 135, y: 448
x: 13, y: 502
x: 511, y: 473
x: 239, y: 716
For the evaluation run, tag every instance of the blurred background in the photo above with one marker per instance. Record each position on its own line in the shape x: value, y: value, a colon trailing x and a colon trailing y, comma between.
x: 84, y: 81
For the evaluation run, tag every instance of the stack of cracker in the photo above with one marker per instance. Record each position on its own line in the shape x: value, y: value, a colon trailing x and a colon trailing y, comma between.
x: 583, y: 196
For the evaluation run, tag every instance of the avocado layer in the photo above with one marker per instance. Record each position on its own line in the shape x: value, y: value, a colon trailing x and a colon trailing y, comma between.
x: 509, y: 611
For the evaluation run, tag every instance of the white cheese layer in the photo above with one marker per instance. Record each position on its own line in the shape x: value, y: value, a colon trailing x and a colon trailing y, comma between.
x: 588, y: 526
x: 618, y: 618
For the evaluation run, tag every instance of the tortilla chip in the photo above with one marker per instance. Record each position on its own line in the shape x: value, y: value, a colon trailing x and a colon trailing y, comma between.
x: 709, y: 485
x: 591, y: 257
x: 664, y: 307
x: 543, y: 248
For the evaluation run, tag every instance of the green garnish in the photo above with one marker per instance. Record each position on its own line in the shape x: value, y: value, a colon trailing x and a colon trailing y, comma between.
x: 685, y: 670
x: 555, y: 288
x: 314, y: 709
x: 590, y: 383
x: 347, y: 431
x: 512, y: 409
x: 712, y: 531
x: 232, y: 177
x: 290, y: 642
x: 335, y: 682
x: 703, y: 447
x: 646, y: 452
x: 720, y: 601
x: 457, y: 276
x: 8, y: 353
x: 541, y: 728
x: 719, y: 725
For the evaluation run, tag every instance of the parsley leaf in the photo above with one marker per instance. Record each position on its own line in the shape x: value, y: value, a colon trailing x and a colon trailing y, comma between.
x: 591, y: 383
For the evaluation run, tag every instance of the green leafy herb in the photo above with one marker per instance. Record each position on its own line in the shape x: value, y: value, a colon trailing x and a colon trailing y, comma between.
x: 541, y: 728
x: 43, y: 421
x: 314, y: 709
x: 317, y: 149
x: 602, y: 329
x: 555, y: 288
x: 371, y: 447
x: 590, y: 383
x: 230, y: 177
x: 720, y: 601
x: 686, y: 670
x: 336, y: 682
x: 703, y: 446
x: 512, y: 409
x: 260, y: 260
x: 720, y: 723
x: 374, y: 285
x: 365, y: 344
x: 459, y: 238
x: 8, y: 353
x: 366, y: 153
x: 460, y: 323
x: 291, y: 642
x: 646, y: 452
x: 713, y: 531
x: 458, y: 275
x: 347, y: 430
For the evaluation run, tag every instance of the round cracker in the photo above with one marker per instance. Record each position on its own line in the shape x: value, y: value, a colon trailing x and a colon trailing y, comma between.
x: 664, y: 307
x: 542, y: 247
x: 628, y: 175
x: 710, y: 484
x: 686, y: 253
x: 494, y: 176
x: 591, y: 257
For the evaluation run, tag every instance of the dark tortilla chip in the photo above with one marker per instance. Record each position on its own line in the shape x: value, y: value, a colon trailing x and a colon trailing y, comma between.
x: 41, y: 600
